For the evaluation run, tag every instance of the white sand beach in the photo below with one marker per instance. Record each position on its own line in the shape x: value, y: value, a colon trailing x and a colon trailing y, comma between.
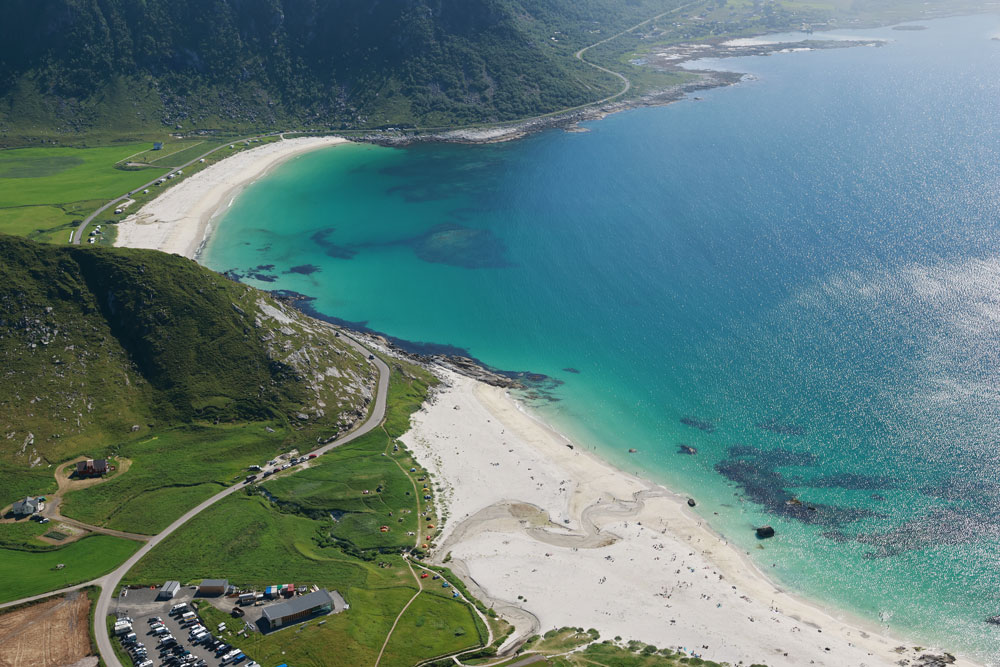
x: 584, y: 544
x: 179, y: 220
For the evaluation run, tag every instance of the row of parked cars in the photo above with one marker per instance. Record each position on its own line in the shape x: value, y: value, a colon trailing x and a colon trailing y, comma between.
x: 277, y: 467
x: 130, y: 642
x: 199, y: 635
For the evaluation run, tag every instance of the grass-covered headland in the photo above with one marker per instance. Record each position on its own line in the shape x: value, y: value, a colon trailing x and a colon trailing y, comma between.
x: 147, y: 357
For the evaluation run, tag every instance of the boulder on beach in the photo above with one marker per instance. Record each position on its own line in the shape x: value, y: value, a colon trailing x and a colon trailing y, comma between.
x: 691, y: 502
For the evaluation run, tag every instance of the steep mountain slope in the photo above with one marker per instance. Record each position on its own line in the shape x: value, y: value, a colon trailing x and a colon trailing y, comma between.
x: 96, y: 342
x: 73, y: 65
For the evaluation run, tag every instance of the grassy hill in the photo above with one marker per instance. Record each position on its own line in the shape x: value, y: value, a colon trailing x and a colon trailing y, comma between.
x: 102, y: 347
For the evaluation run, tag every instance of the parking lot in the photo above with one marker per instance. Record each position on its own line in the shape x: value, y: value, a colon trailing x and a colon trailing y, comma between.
x: 154, y: 624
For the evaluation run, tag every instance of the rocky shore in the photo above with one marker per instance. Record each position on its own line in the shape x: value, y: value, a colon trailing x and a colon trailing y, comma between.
x: 673, y: 58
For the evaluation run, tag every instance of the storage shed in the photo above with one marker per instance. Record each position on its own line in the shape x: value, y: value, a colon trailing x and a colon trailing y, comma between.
x: 169, y: 590
x: 213, y: 587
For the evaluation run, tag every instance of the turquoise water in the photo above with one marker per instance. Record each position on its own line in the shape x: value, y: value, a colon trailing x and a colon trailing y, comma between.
x: 798, y: 276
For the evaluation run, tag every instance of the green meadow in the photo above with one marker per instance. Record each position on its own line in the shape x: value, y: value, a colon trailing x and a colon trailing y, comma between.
x: 22, y: 534
x: 254, y: 541
x: 366, y: 485
x: 429, y: 629
x: 246, y: 539
x: 19, y: 482
x: 44, y: 192
x: 45, y: 176
x: 26, y: 573
x: 172, y: 472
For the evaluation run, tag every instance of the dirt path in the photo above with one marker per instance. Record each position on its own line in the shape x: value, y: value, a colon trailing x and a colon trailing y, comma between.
x: 67, y: 483
x: 388, y: 636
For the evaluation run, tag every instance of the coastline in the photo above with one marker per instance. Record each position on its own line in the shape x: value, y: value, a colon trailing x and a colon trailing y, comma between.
x: 514, y: 532
x: 553, y: 536
x: 179, y: 220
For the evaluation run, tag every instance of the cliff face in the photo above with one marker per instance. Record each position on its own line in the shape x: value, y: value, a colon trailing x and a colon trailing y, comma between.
x: 78, y: 64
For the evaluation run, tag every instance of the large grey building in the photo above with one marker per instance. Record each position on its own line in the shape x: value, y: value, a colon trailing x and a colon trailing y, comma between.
x: 283, y: 613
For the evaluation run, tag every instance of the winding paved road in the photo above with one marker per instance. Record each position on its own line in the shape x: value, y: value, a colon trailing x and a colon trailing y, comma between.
x: 109, y: 583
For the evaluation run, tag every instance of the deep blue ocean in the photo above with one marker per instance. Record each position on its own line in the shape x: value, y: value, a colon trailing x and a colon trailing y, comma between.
x: 798, y: 277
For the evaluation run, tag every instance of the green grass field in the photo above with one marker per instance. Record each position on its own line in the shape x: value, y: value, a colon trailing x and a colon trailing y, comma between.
x: 254, y: 542
x: 26, y: 573
x: 243, y: 538
x: 336, y: 483
x: 45, y: 176
x: 20, y: 482
x: 430, y: 629
x: 172, y: 150
x: 172, y: 472
x: 44, y: 191
x: 21, y: 535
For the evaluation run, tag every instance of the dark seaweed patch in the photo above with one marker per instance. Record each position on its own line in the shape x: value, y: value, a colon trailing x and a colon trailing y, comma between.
x: 775, y: 426
x: 755, y: 470
x: 262, y: 273
x: 837, y: 536
x: 304, y: 269
x: 944, y: 526
x: 457, y: 245
x: 847, y: 481
x: 693, y: 422
x: 331, y: 249
x: 263, y: 277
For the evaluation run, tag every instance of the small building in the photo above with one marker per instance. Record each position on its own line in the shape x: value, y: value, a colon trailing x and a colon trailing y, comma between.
x: 92, y: 468
x: 157, y: 145
x: 213, y: 587
x: 169, y: 590
x: 30, y: 505
x: 283, y: 613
